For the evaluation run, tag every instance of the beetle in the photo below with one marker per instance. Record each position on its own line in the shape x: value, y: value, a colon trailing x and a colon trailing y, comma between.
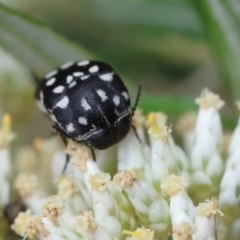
x: 88, y: 102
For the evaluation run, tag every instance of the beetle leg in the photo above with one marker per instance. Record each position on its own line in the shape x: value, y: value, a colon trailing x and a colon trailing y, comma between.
x: 136, y: 134
x: 66, y: 163
x: 93, y: 155
x: 64, y: 139
x: 63, y: 135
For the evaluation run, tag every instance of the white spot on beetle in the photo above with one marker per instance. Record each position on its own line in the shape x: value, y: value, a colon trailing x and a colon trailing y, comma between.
x: 125, y: 95
x: 58, y: 89
x: 67, y: 65
x: 63, y: 103
x: 85, y: 77
x: 108, y: 77
x: 93, y: 69
x: 69, y: 79
x: 102, y: 95
x: 50, y: 82
x: 116, y: 112
x: 72, y: 84
x: 85, y: 104
x: 83, y: 121
x: 78, y: 74
x: 70, y: 128
x: 116, y: 100
x: 83, y: 63
x: 51, y: 74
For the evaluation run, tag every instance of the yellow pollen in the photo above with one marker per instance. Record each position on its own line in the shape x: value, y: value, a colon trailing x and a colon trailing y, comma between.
x: 38, y: 143
x: 99, y: 181
x: 174, y: 185
x: 7, y: 124
x: 6, y: 136
x: 208, y: 208
x: 153, y: 123
x: 157, y: 128
x: 140, y: 234
x: 160, y: 118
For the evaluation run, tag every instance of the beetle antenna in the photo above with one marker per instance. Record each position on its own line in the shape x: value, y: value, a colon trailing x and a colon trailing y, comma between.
x: 137, y: 98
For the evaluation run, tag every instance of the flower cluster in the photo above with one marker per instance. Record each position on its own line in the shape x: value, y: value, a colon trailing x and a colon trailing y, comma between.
x: 137, y: 190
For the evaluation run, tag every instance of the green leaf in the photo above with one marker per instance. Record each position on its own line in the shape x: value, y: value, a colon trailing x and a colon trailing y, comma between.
x: 41, y: 49
x: 37, y: 46
x: 173, y: 106
x: 224, y: 36
x: 34, y: 44
x: 144, y: 39
x: 175, y: 16
x: 234, y: 8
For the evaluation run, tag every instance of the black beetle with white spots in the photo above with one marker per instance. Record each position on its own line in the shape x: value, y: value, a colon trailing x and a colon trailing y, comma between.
x: 88, y: 102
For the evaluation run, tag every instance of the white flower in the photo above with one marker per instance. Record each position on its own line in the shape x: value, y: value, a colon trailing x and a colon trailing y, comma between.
x: 148, y: 196
x: 205, y: 222
x: 181, y: 206
x: 205, y: 154
x: 27, y: 186
x: 6, y: 136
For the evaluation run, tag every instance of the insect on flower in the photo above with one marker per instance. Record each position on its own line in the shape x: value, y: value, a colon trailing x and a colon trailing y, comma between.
x: 88, y: 102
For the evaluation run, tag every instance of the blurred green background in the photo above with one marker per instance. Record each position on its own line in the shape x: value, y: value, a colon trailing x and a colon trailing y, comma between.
x: 175, y: 48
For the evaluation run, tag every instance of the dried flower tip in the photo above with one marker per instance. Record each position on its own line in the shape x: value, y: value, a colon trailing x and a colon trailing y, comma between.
x: 26, y: 184
x: 138, y: 118
x: 238, y: 104
x: 157, y: 129
x: 19, y: 226
x: 66, y: 187
x: 85, y: 222
x: 209, y: 99
x: 125, y: 178
x: 6, y: 135
x: 208, y: 208
x: 140, y: 234
x: 183, y: 231
x: 99, y: 181
x: 80, y: 154
x: 35, y: 228
x: 186, y: 123
x: 38, y: 143
x: 174, y: 185
x: 52, y: 208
